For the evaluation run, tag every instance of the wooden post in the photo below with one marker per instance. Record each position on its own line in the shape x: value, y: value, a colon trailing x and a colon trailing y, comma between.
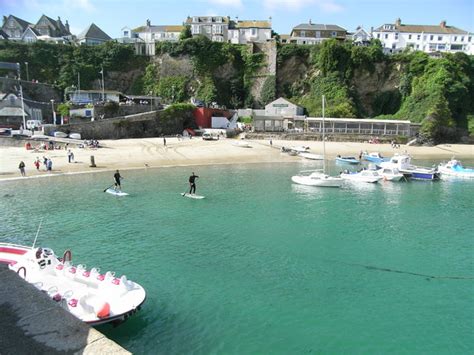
x: 92, y: 162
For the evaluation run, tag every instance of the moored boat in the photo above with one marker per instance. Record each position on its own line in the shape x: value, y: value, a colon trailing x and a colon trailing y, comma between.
x: 317, y: 179
x: 311, y: 156
x: 390, y: 174
x: 370, y: 176
x: 454, y: 168
x: 374, y: 157
x: 347, y: 160
x: 91, y: 296
x: 403, y: 164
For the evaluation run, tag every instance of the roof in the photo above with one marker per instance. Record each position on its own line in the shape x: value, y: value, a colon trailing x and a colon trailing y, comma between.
x: 24, y: 24
x: 285, y: 36
x: 318, y: 27
x: 357, y: 120
x: 253, y: 24
x: 93, y: 31
x: 174, y: 28
x: 204, y: 19
x: 423, y: 28
x: 12, y: 111
x: 3, y: 34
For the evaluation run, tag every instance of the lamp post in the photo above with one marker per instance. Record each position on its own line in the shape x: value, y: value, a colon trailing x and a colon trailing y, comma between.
x: 54, y: 113
x: 27, y: 74
x: 103, y: 87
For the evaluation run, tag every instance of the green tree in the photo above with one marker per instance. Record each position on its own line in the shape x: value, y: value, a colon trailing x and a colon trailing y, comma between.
x: 185, y: 33
x: 268, y: 90
x: 207, y: 90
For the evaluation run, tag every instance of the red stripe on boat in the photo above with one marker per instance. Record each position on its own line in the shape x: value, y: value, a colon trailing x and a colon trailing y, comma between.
x: 12, y: 250
x: 6, y: 261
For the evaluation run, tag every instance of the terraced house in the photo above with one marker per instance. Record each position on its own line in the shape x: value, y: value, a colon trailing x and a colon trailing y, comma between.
x: 427, y: 38
x: 213, y: 27
x: 313, y: 33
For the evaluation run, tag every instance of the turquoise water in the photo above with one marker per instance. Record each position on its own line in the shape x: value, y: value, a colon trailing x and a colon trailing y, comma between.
x: 265, y: 266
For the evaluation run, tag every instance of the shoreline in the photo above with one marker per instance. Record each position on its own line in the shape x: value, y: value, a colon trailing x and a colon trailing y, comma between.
x: 148, y: 153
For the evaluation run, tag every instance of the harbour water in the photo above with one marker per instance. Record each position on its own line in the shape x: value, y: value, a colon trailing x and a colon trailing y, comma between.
x: 265, y: 266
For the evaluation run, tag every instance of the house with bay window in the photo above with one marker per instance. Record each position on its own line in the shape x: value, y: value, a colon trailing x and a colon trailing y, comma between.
x: 427, y: 38
x: 213, y: 27
x: 313, y: 33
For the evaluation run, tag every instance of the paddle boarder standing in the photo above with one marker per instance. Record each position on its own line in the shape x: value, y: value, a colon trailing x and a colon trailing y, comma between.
x: 192, y: 184
x: 117, y: 178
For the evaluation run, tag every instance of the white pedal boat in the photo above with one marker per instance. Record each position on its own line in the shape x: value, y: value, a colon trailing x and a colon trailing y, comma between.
x: 93, y: 297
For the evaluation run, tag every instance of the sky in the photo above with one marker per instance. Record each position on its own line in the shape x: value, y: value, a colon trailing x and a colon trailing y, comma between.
x: 112, y: 15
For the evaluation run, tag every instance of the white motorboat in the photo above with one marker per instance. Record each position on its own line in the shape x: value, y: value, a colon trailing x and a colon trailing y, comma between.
x: 374, y: 157
x: 311, y: 156
x: 370, y: 176
x: 75, y: 135
x: 390, y: 174
x: 58, y: 134
x: 90, y: 295
x: 317, y: 179
x: 403, y: 164
x: 454, y: 168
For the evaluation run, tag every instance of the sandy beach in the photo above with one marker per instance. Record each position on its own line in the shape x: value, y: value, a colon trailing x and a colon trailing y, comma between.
x: 151, y: 152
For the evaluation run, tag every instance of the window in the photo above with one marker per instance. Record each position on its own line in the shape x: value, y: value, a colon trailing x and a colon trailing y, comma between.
x: 417, y: 46
x: 125, y: 33
x: 386, y: 36
x: 455, y: 38
x: 253, y: 32
x: 462, y: 39
x: 409, y: 36
x: 195, y: 19
x: 378, y: 35
x: 418, y: 37
x: 318, y: 34
x: 441, y: 47
x: 456, y: 47
x: 334, y: 34
x: 440, y: 38
x: 424, y: 38
x: 432, y: 47
x: 396, y: 36
x: 303, y: 33
x: 469, y: 39
x: 194, y: 29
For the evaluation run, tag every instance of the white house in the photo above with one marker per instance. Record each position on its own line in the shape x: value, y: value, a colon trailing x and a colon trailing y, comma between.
x: 360, y: 37
x: 283, y: 107
x: 427, y: 38
x: 145, y: 37
x: 213, y: 27
x: 313, y: 33
x: 242, y: 32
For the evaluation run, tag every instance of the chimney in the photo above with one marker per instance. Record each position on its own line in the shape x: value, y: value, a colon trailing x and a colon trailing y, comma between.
x: 398, y: 22
x: 310, y: 22
x: 443, y: 24
x: 67, y: 26
x: 4, y: 20
x: 148, y: 23
x: 270, y: 20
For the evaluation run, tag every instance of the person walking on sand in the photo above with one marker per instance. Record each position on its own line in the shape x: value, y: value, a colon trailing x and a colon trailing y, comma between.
x: 70, y: 156
x: 164, y: 141
x: 117, y: 179
x: 37, y: 163
x: 192, y: 183
x: 49, y: 165
x: 22, y: 168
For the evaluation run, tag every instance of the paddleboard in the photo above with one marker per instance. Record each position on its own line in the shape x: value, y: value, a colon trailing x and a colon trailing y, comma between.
x: 197, y: 197
x: 116, y: 193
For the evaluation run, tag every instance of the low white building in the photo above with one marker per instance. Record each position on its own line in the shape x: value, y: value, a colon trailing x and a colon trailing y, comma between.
x: 243, y: 32
x: 360, y: 37
x: 283, y: 107
x: 427, y: 38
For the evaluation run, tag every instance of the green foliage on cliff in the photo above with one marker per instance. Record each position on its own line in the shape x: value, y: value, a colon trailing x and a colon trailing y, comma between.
x: 179, y: 110
x: 268, y: 90
x: 60, y: 64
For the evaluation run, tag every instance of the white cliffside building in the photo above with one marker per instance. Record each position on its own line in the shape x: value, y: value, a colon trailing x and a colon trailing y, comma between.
x: 145, y: 37
x: 243, y: 32
x: 430, y: 39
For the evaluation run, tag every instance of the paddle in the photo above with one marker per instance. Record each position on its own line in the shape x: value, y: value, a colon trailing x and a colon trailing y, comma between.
x: 121, y: 178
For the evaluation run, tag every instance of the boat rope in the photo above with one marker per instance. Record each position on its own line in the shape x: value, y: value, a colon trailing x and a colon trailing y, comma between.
x: 428, y: 277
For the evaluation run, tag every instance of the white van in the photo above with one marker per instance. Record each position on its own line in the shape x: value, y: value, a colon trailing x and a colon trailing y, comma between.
x: 33, y: 124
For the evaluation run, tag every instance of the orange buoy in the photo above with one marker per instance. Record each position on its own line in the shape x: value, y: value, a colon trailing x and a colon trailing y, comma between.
x: 104, y: 311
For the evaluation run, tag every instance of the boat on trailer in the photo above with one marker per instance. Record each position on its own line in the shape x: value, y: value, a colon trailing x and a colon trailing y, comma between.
x: 92, y: 296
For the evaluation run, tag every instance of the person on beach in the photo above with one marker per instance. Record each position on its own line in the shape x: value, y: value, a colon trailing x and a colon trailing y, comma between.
x: 49, y: 165
x: 117, y: 179
x: 192, y: 183
x: 37, y: 163
x: 164, y: 141
x: 22, y: 168
x: 70, y: 156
